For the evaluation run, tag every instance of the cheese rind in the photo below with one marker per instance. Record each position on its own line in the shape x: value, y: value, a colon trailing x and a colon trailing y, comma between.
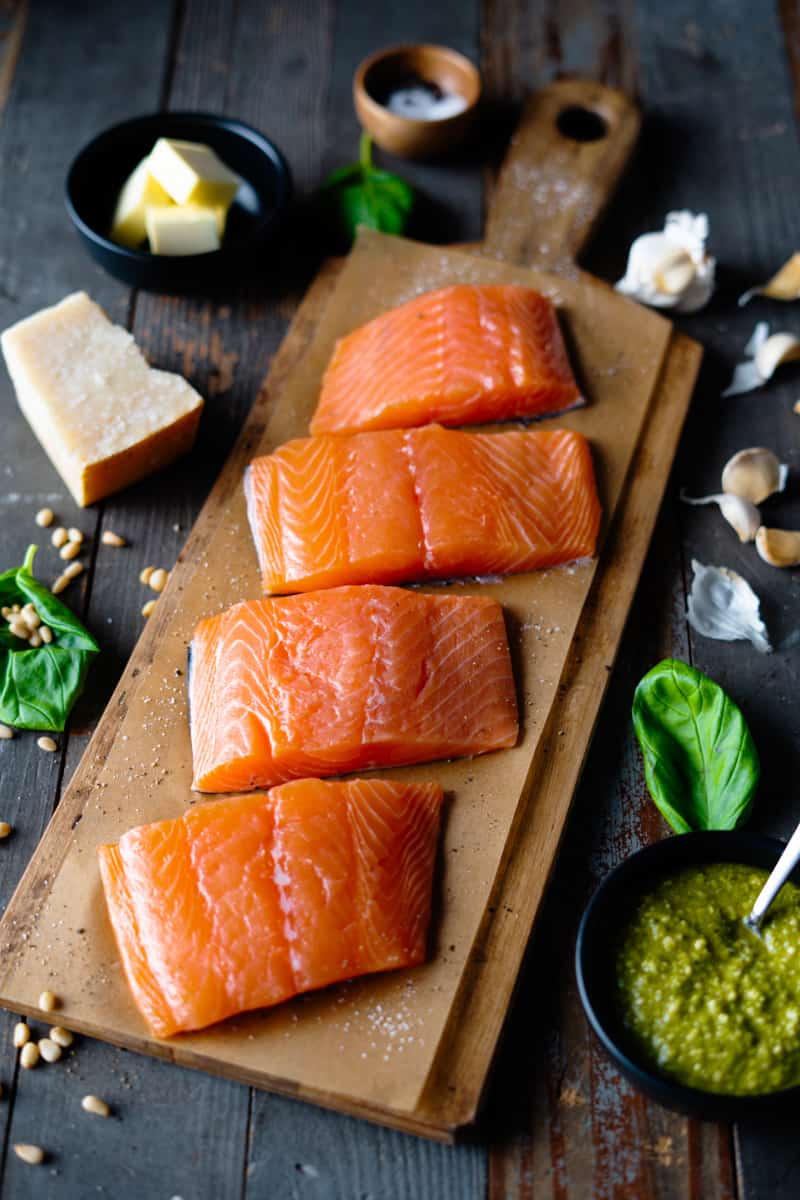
x: 191, y: 173
x: 139, y: 190
x: 182, y: 229
x: 103, y: 415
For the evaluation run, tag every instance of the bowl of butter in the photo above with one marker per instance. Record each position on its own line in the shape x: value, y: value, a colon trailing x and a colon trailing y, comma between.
x: 177, y: 202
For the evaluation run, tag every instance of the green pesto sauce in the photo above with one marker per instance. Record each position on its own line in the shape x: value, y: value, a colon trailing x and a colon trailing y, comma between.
x: 707, y: 1002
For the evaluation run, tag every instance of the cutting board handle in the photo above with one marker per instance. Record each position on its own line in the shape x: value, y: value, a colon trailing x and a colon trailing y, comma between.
x: 563, y: 164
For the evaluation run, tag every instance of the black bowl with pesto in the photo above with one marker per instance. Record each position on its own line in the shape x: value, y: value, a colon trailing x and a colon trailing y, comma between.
x: 609, y: 914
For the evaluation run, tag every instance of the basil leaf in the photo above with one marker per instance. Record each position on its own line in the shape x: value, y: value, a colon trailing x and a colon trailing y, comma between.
x: 39, y: 685
x: 700, y: 760
x: 360, y: 194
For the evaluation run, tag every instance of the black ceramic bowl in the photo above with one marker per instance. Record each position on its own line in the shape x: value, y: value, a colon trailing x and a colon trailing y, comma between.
x: 602, y: 922
x: 99, y: 171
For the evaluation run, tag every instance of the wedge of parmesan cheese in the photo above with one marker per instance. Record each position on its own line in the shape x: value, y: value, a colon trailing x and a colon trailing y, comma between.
x: 104, y: 416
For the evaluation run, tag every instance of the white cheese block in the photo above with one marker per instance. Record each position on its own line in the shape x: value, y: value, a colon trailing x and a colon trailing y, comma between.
x: 182, y: 229
x: 139, y: 190
x: 191, y: 173
x: 104, y: 416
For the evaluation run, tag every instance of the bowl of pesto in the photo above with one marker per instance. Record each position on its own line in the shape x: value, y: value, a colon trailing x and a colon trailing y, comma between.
x: 696, y: 1010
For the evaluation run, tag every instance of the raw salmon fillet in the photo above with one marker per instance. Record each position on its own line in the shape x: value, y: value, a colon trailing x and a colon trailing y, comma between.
x: 462, y: 355
x: 244, y: 902
x: 343, y: 680
x: 428, y: 503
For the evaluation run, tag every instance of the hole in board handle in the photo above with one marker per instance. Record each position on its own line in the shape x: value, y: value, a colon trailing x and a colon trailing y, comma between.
x: 581, y: 124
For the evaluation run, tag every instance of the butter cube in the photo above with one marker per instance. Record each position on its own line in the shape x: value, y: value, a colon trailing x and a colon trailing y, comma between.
x: 191, y: 173
x: 104, y: 416
x: 139, y: 190
x: 182, y: 229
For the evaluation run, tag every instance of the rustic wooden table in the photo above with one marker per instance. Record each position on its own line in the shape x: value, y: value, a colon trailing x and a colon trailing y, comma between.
x: 719, y: 83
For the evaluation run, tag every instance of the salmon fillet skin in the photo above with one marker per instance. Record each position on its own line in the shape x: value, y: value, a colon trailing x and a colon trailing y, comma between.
x: 430, y: 503
x: 346, y: 679
x: 244, y: 902
x: 462, y: 355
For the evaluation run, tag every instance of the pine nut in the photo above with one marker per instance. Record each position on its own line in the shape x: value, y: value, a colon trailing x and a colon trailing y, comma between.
x: 6, y: 733
x: 110, y: 538
x: 29, y: 1154
x: 61, y: 1036
x: 147, y: 609
x: 35, y: 640
x: 21, y: 1035
x: 58, y: 537
x: 96, y: 1106
x: 19, y: 628
x: 5, y: 611
x: 47, y: 743
x: 158, y: 580
x: 44, y: 517
x: 31, y: 617
x: 75, y: 535
x: 49, y: 1050
x: 48, y: 1001
x: 29, y: 1056
x: 66, y: 577
x: 71, y: 550
x: 5, y: 830
x: 46, y: 634
x: 144, y: 575
x: 15, y: 608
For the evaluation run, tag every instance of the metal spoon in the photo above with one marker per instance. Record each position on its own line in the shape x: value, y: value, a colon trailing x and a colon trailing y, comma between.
x: 777, y: 878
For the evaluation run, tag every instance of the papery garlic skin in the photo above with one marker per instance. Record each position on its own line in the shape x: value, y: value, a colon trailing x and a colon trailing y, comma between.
x: 671, y: 269
x: 743, y: 516
x: 723, y: 606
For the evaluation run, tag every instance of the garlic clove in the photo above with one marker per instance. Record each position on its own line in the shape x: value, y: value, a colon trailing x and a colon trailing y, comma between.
x: 670, y: 268
x: 743, y: 516
x: 754, y: 474
x: 723, y: 606
x: 675, y: 271
x: 778, y: 349
x: 784, y: 284
x: 779, y: 547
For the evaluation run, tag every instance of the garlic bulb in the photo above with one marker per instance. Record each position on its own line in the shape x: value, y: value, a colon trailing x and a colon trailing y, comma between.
x: 754, y: 474
x: 741, y: 514
x: 779, y: 547
x: 671, y: 269
x: 722, y: 605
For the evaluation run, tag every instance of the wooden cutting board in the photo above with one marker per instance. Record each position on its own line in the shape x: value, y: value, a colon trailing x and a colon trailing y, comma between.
x: 410, y: 1049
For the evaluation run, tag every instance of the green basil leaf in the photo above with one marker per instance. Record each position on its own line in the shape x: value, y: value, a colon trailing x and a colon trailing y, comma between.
x: 360, y: 194
x: 39, y: 685
x: 700, y: 760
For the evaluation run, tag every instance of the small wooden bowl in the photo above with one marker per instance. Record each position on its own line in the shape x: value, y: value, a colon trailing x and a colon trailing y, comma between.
x: 409, y: 137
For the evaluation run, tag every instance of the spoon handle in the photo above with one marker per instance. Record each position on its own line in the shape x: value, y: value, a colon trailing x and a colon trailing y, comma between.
x: 777, y: 878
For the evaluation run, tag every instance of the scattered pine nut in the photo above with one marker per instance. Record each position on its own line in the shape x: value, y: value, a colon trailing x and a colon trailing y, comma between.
x: 96, y: 1106
x: 35, y: 640
x: 66, y: 577
x: 147, y: 609
x: 29, y: 1154
x: 19, y: 628
x: 49, y: 1050
x: 75, y: 535
x: 31, y: 617
x: 44, y: 517
x: 110, y: 538
x: 158, y: 579
x: 70, y: 551
x: 144, y: 575
x: 5, y: 830
x: 46, y: 634
x: 48, y: 744
x: 6, y: 732
x: 48, y: 1001
x: 29, y: 1056
x: 59, y: 536
x: 61, y: 1036
x: 21, y: 1035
